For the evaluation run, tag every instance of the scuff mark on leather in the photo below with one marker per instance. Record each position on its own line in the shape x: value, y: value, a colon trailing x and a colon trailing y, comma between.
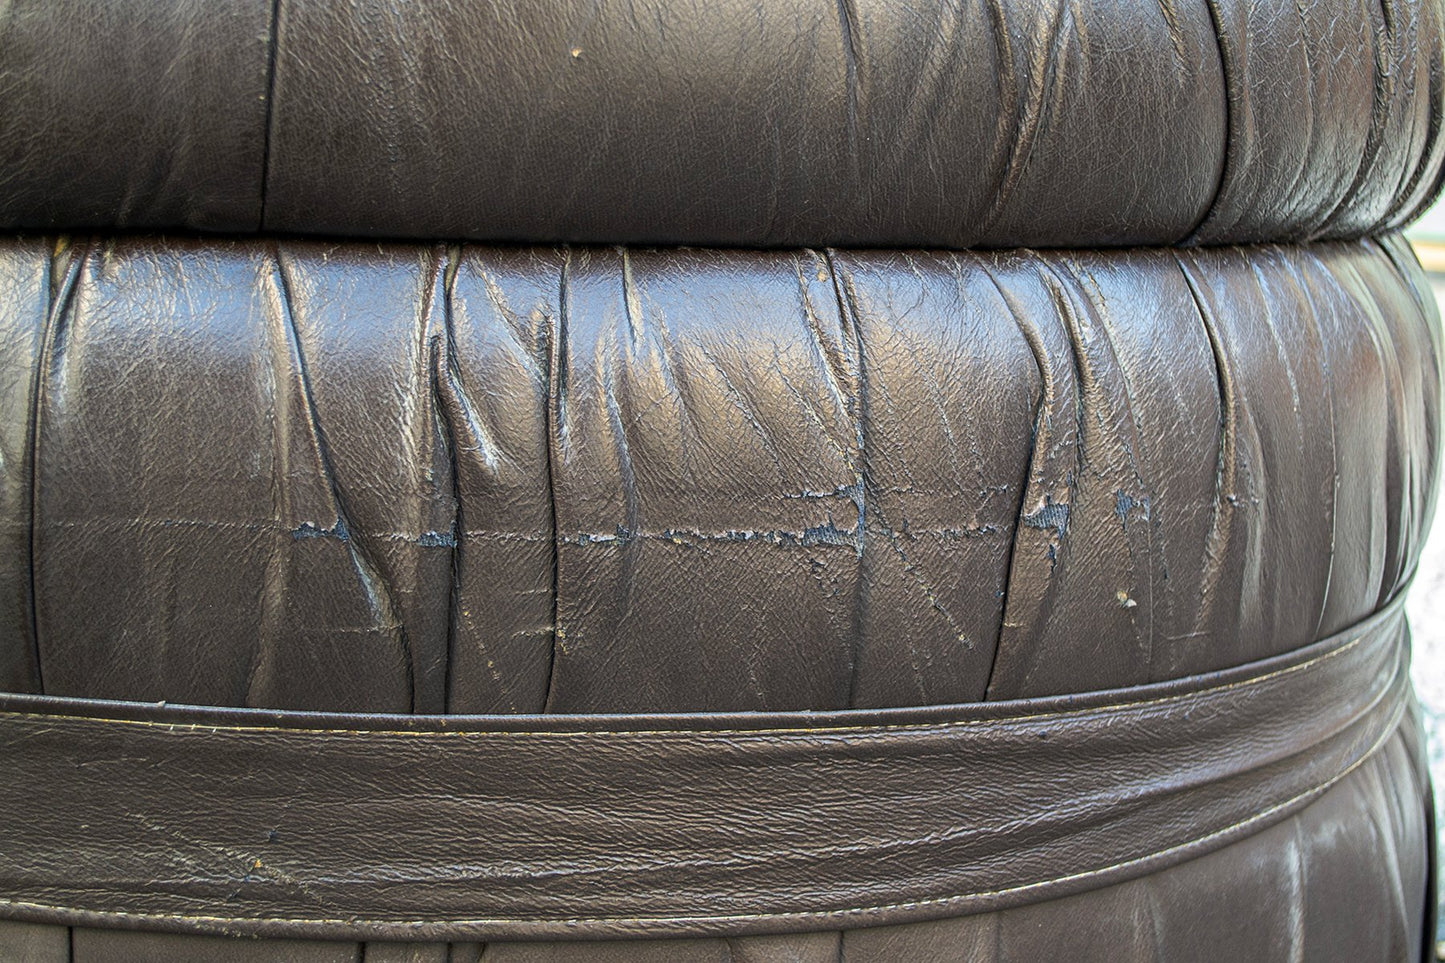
x: 1052, y: 515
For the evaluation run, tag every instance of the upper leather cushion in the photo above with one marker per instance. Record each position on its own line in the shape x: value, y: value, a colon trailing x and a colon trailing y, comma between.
x: 772, y: 122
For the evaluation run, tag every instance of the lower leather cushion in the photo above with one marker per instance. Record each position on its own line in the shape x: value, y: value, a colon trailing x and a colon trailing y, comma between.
x: 437, y: 479
x: 1340, y: 880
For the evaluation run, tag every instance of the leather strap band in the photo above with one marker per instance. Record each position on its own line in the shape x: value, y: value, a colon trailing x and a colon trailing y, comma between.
x: 377, y: 827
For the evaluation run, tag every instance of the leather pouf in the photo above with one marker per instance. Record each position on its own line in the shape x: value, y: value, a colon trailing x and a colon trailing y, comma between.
x: 867, y: 480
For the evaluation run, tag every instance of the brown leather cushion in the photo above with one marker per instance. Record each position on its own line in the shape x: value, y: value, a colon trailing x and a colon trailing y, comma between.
x: 424, y: 477
x: 415, y: 479
x: 860, y: 122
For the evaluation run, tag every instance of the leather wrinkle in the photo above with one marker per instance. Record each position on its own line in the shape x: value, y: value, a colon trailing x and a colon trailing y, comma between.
x: 52, y: 342
x: 825, y: 494
x: 1403, y: 213
x: 443, y: 357
x: 1045, y: 374
x: 273, y: 44
x: 848, y: 315
x: 378, y: 595
x: 1083, y: 309
x: 556, y: 406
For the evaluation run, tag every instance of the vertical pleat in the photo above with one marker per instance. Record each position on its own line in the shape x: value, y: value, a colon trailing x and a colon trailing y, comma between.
x: 1079, y: 603
x: 1299, y: 76
x: 1168, y: 392
x: 174, y: 527
x: 1411, y: 346
x: 1272, y: 520
x: 495, y: 381
x: 1362, y: 381
x: 1405, y: 127
x: 472, y: 480
x: 28, y: 291
x: 943, y: 471
x: 1238, y: 901
x: 1349, y: 840
x: 367, y: 328
x: 706, y: 433
x: 986, y: 168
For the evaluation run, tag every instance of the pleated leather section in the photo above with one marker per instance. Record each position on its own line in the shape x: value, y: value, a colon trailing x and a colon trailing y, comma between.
x: 776, y: 123
x: 429, y: 479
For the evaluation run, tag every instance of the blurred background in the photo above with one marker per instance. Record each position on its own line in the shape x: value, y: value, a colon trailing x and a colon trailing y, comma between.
x: 1426, y: 604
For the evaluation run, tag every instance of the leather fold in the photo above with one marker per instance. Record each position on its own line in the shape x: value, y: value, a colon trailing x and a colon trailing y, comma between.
x: 275, y: 823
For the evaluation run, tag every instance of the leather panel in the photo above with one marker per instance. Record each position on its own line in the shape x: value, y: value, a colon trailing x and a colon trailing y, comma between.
x: 327, y: 824
x: 1312, y: 887
x: 432, y: 479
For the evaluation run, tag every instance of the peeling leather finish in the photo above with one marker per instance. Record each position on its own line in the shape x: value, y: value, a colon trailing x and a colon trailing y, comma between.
x: 431, y: 479
x: 1026, y: 355
x: 769, y: 123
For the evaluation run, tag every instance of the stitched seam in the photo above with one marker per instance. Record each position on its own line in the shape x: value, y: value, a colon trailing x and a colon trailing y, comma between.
x: 1263, y: 816
x: 1182, y: 699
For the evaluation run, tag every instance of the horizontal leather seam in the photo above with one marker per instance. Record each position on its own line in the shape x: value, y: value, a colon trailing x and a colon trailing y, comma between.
x: 1258, y: 821
x: 780, y: 829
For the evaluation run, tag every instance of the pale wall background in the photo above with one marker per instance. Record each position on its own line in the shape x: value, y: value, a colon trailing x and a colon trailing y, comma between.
x: 1426, y: 604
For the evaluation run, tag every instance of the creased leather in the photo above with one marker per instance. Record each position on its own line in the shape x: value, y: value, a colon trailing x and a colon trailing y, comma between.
x: 778, y: 123
x: 988, y: 464
x: 432, y: 479
x: 327, y: 825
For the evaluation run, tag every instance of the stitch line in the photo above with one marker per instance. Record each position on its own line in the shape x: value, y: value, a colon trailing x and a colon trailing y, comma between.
x: 1261, y: 819
x: 1375, y: 635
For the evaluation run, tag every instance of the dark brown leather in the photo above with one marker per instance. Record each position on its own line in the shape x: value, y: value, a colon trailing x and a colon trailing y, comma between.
x: 327, y: 825
x: 856, y: 122
x: 448, y: 498
x: 375, y: 480
x: 365, y: 479
x: 1326, y: 883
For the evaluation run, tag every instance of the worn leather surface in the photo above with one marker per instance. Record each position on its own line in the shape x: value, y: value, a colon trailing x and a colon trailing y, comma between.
x: 429, y: 479
x: 699, y: 824
x: 777, y: 123
x: 1024, y: 349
